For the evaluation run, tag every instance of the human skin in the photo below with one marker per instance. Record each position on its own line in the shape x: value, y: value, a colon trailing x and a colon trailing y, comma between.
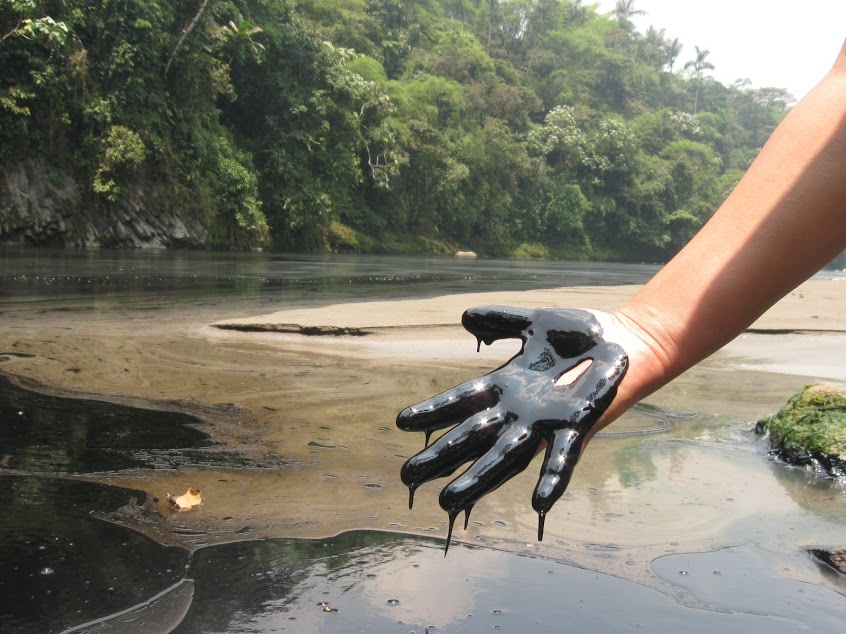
x: 783, y: 222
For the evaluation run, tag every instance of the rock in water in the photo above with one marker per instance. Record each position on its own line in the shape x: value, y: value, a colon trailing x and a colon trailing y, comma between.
x: 836, y: 558
x: 810, y: 430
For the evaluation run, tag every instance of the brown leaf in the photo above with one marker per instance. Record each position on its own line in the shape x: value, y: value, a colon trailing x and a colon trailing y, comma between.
x: 186, y: 501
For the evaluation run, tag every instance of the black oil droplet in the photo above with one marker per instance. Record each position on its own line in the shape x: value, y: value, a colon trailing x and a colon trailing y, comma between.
x: 452, y: 517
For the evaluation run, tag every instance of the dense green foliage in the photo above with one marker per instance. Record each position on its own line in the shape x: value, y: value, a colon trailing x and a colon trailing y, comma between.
x: 537, y: 127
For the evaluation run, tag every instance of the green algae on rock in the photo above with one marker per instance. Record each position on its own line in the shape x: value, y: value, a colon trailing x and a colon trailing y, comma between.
x: 810, y: 430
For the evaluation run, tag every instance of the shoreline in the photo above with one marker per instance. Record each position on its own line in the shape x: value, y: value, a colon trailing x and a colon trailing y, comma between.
x: 813, y: 306
x: 326, y: 404
x: 802, y: 334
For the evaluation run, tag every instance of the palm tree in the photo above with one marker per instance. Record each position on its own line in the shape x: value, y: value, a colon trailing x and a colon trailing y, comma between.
x: 654, y: 47
x: 624, y: 10
x: 654, y: 36
x: 239, y: 38
x: 673, y: 50
x: 699, y: 65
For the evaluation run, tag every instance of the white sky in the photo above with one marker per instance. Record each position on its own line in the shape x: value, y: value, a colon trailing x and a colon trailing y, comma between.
x: 771, y: 42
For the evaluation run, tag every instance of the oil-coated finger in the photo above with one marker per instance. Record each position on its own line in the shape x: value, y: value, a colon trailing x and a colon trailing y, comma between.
x: 562, y: 454
x: 462, y: 444
x: 492, y: 323
x: 511, y: 454
x: 450, y: 407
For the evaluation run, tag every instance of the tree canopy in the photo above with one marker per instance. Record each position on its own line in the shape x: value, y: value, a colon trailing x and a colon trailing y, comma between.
x: 533, y: 127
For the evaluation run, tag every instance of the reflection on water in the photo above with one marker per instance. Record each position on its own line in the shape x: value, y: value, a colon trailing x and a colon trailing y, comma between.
x: 42, y: 433
x: 381, y: 583
x: 740, y: 580
x: 61, y: 568
x: 203, y: 280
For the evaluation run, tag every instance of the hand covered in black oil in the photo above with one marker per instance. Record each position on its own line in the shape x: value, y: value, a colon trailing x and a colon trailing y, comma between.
x: 501, y: 420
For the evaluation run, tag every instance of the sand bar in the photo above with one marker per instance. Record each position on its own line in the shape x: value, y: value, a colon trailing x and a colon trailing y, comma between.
x: 801, y: 334
x: 817, y: 306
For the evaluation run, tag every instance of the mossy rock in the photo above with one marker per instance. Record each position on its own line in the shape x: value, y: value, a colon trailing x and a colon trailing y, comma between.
x: 811, y: 429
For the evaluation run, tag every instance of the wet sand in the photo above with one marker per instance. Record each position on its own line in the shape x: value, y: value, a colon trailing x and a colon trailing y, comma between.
x: 815, y: 306
x: 322, y: 408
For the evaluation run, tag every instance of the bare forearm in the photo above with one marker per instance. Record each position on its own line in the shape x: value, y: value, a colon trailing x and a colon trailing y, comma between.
x: 784, y: 221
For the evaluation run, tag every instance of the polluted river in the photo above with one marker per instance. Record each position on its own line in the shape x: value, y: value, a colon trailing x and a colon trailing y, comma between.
x: 271, y: 384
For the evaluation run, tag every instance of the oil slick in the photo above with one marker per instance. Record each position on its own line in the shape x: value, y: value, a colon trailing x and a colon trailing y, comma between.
x: 499, y: 421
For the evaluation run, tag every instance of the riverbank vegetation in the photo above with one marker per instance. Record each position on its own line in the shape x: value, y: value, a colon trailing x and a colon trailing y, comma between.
x: 509, y: 127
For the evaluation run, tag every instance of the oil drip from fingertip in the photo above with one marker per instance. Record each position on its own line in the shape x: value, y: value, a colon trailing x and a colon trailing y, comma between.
x: 452, y: 517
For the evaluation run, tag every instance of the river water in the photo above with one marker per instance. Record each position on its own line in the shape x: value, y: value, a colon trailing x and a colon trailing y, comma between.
x: 245, y: 282
x: 119, y: 393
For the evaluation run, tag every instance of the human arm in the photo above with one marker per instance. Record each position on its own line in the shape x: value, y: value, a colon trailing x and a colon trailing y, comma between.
x: 783, y: 222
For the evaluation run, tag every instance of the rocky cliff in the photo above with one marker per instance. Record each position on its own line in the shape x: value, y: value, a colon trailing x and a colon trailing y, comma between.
x: 42, y: 206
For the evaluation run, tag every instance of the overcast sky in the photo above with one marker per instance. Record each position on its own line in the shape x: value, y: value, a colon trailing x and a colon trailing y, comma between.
x: 773, y: 43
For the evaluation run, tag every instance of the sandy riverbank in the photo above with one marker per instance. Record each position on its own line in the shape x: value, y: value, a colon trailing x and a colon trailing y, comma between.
x: 817, y: 305
x: 801, y: 334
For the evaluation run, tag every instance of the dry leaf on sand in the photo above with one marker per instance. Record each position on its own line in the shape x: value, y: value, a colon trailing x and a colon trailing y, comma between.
x: 186, y: 501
